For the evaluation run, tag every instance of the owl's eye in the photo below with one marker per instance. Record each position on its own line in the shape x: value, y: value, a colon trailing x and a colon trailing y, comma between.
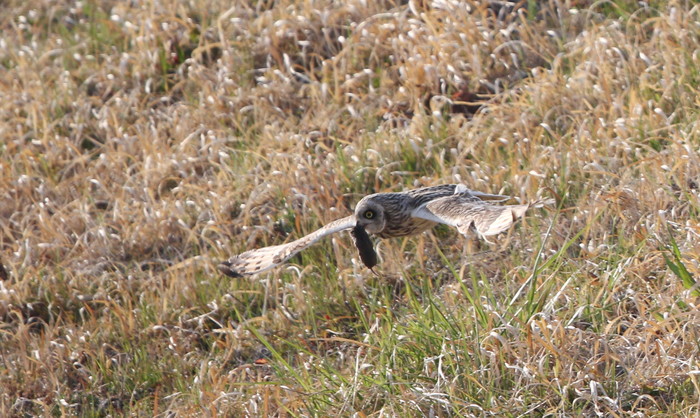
x: 369, y: 214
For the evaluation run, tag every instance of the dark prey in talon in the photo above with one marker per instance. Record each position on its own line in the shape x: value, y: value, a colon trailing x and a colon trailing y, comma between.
x: 389, y: 215
x: 364, y: 246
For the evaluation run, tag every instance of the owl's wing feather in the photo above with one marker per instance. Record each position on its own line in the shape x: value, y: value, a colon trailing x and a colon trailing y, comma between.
x: 256, y: 261
x: 461, y: 189
x: 469, y: 215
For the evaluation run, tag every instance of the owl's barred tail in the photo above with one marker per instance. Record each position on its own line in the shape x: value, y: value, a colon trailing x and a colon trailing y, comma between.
x: 518, y: 211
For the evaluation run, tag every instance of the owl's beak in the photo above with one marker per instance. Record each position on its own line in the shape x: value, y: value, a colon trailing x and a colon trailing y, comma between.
x: 364, y: 246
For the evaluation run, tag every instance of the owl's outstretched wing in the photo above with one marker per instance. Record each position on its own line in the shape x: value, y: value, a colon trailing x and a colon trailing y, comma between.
x: 256, y: 261
x: 461, y: 189
x: 473, y: 216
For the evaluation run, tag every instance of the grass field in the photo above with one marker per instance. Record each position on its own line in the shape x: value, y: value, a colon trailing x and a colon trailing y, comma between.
x: 144, y: 142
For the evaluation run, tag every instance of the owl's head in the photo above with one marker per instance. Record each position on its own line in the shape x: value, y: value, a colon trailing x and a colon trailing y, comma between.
x: 370, y: 215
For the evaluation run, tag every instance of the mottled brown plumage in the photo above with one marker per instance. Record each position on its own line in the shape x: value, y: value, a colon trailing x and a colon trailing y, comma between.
x: 389, y: 215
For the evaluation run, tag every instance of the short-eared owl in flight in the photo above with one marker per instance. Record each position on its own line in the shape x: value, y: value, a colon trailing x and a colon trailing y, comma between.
x: 389, y: 215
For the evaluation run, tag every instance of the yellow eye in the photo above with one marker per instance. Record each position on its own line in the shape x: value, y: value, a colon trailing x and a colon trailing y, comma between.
x: 369, y: 214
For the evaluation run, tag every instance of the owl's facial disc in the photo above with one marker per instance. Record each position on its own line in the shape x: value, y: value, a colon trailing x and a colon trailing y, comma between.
x: 370, y: 216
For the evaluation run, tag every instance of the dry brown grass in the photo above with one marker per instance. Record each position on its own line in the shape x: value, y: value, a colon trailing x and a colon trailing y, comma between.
x: 142, y: 143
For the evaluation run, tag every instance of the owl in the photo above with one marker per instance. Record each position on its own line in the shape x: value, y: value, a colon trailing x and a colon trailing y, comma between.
x: 389, y: 215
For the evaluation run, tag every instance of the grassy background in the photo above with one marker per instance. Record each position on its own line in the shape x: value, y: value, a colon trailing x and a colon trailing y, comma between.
x: 142, y: 142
